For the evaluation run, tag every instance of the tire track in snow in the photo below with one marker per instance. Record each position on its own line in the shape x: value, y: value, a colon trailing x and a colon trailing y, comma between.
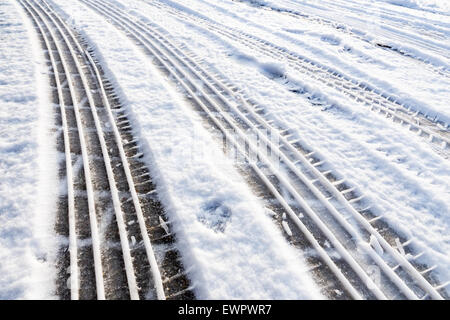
x: 431, y: 129
x: 227, y: 109
x: 439, y: 68
x: 119, y: 244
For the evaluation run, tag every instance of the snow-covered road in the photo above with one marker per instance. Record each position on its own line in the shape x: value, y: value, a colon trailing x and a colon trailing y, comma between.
x: 292, y: 149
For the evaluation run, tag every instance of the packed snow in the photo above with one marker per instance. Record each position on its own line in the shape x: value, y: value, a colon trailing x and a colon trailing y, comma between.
x: 241, y: 254
x: 228, y: 240
x: 439, y: 6
x: 401, y: 175
x: 27, y: 158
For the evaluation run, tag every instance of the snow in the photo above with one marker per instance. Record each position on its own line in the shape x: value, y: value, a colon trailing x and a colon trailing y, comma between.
x: 286, y: 228
x: 434, y: 6
x: 27, y: 189
x: 401, y: 175
x: 384, y: 69
x: 227, y: 241
x: 376, y: 245
x: 440, y: 6
x: 227, y: 237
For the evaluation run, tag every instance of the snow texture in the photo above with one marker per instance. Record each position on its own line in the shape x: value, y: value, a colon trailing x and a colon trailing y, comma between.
x: 27, y: 161
x: 228, y: 239
x: 232, y: 249
x: 399, y: 173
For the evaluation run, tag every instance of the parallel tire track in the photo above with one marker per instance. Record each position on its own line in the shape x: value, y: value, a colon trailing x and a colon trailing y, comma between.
x: 119, y: 242
x: 442, y: 70
x: 347, y: 231
x: 434, y: 130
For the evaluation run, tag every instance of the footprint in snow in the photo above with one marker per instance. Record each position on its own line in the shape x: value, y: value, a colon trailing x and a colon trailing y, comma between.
x: 215, y: 215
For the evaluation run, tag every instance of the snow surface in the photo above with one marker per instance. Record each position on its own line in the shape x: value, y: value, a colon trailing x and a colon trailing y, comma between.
x: 439, y: 6
x: 227, y: 238
x: 422, y: 35
x: 27, y: 160
x: 231, y: 247
x: 400, y: 174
